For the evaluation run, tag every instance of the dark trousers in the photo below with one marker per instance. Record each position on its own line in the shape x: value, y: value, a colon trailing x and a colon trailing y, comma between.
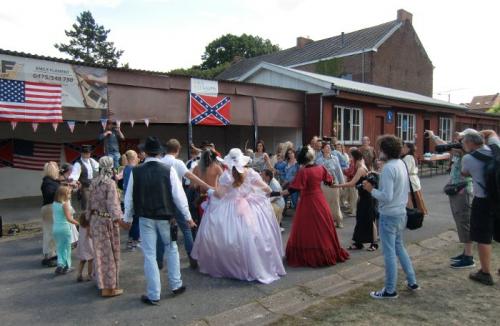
x: 134, y: 232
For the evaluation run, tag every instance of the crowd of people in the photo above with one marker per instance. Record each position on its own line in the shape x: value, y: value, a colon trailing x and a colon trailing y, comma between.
x: 230, y: 208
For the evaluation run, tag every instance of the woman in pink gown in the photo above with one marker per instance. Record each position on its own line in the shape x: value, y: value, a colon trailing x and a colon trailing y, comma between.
x: 239, y: 236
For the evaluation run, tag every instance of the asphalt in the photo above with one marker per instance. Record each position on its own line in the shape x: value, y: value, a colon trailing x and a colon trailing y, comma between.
x: 31, y: 294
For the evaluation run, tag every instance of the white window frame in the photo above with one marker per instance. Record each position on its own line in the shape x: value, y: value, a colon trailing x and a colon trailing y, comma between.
x: 412, y: 127
x: 446, y: 128
x: 340, y: 126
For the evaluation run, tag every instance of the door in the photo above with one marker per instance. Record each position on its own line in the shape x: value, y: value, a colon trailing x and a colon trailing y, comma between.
x: 379, y: 126
x: 427, y: 144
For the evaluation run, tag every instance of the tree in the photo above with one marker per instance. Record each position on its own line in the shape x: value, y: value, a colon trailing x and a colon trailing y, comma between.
x: 197, y: 71
x: 225, y: 48
x: 495, y: 109
x: 88, y: 42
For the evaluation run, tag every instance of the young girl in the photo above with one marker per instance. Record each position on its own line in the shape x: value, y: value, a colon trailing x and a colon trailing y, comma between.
x: 61, y: 229
x: 85, y: 249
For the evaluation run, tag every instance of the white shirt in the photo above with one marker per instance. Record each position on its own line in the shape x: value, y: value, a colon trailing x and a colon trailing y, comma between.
x: 178, y: 195
x: 90, y: 164
x: 278, y: 200
x: 176, y: 164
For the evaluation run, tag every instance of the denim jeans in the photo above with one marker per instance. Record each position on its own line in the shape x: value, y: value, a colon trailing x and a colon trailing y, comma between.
x: 134, y: 232
x: 152, y: 231
x: 391, y: 236
x: 186, y: 232
x: 116, y: 159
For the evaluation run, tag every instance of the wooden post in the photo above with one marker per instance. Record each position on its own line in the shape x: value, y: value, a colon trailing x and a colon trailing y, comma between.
x: 255, y: 122
x: 190, y: 127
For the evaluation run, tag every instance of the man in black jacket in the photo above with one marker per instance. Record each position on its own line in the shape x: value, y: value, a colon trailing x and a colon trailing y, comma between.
x: 153, y: 193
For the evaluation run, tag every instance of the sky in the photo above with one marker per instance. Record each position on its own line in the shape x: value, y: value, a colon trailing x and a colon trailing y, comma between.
x: 461, y: 37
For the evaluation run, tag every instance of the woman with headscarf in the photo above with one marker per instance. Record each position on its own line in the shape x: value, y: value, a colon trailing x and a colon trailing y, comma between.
x: 239, y: 237
x: 105, y: 216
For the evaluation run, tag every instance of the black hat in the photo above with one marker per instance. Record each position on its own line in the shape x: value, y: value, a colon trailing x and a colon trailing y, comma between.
x: 152, y: 145
x: 87, y: 148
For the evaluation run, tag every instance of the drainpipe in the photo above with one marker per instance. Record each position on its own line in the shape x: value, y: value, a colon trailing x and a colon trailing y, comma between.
x: 363, y: 66
x: 321, y: 116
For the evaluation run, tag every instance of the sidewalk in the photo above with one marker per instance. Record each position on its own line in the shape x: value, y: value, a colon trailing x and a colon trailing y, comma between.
x: 447, y: 297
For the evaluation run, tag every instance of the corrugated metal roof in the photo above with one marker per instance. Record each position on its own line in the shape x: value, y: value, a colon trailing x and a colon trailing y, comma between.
x: 352, y: 86
x: 364, y: 40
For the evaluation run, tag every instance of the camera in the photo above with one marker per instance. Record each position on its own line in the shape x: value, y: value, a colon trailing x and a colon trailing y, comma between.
x: 371, y: 178
x: 448, y: 147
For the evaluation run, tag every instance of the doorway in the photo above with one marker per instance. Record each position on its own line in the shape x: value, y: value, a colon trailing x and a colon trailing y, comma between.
x: 379, y: 126
x: 427, y: 143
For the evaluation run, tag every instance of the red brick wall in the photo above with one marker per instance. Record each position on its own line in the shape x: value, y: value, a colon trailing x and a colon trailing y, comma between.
x: 402, y: 63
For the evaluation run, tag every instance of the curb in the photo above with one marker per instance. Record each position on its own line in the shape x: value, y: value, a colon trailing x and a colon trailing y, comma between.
x: 269, y: 309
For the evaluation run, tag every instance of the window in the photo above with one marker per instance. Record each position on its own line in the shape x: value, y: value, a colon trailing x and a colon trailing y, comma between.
x: 405, y: 127
x: 445, y: 129
x: 348, y: 124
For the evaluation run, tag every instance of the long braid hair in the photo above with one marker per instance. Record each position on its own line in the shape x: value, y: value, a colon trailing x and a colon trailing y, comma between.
x: 208, y: 157
x: 239, y: 178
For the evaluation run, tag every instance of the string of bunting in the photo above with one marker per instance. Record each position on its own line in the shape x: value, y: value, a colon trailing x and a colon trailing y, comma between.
x: 72, y: 124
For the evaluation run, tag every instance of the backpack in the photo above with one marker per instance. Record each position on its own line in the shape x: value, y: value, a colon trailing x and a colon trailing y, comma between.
x: 491, y: 174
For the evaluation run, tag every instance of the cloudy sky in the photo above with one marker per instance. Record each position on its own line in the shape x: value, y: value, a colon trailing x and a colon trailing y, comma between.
x: 461, y: 37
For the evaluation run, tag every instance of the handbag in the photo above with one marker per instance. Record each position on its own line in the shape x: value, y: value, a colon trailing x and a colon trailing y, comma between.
x: 415, y: 218
x: 453, y: 189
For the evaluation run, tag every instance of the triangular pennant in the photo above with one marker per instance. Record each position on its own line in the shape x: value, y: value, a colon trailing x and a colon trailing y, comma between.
x: 35, y: 126
x: 13, y: 124
x: 132, y: 122
x: 146, y: 121
x: 55, y: 125
x: 104, y: 122
x: 118, y: 123
x: 71, y: 125
x: 86, y: 122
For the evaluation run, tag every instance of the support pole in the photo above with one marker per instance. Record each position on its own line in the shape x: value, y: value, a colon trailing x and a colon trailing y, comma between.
x: 255, y: 122
x: 190, y: 127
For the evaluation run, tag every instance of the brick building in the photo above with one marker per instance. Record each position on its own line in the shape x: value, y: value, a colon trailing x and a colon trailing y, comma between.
x: 389, y: 55
x: 483, y: 103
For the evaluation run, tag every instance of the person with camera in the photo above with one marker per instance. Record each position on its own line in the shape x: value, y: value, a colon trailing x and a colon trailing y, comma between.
x: 482, y: 220
x: 365, y: 230
x: 111, y: 138
x: 392, y: 196
x: 459, y: 191
x: 154, y: 192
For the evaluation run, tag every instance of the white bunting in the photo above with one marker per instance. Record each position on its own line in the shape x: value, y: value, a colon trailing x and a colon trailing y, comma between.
x: 118, y: 123
x: 13, y: 124
x: 104, y: 122
x: 132, y: 122
x: 35, y: 126
x: 55, y: 125
x: 71, y: 125
x: 146, y: 121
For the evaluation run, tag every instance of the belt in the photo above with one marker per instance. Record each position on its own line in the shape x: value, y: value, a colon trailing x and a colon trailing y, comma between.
x: 100, y: 214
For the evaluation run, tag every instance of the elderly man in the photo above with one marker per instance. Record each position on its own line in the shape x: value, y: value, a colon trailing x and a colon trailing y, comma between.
x: 482, y: 219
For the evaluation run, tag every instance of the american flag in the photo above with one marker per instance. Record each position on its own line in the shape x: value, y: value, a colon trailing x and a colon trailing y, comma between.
x: 210, y: 110
x: 33, y: 155
x: 26, y: 101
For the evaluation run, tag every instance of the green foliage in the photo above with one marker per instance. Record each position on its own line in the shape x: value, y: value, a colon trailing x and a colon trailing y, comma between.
x: 88, y: 42
x: 495, y: 109
x: 225, y: 48
x: 332, y: 67
x: 197, y: 71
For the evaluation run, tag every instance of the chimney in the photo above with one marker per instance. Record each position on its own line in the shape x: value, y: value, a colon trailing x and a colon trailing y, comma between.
x: 404, y: 16
x: 303, y: 41
x: 342, y: 40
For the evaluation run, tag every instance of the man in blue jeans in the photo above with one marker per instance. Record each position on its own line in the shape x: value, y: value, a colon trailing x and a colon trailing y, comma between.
x: 111, y: 137
x: 392, y: 197
x: 155, y: 195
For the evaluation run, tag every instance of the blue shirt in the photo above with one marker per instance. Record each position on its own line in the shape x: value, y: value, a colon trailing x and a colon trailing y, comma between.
x: 290, y: 172
x: 126, y: 175
x: 344, y: 164
x: 332, y: 165
x: 392, y: 194
x: 111, y: 144
x: 280, y: 170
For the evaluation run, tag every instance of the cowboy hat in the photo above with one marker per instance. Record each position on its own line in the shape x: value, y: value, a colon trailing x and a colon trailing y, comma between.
x: 236, y: 159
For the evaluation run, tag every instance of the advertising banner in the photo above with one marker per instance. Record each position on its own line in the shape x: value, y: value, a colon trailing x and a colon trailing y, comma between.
x: 82, y: 87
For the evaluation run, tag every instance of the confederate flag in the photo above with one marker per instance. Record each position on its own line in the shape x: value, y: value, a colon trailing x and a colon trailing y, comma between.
x: 210, y: 110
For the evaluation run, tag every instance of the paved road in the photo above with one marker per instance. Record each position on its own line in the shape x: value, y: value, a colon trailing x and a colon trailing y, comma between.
x: 32, y: 295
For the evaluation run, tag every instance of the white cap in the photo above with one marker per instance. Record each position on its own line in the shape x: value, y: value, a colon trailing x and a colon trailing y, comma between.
x: 235, y: 158
x: 468, y: 131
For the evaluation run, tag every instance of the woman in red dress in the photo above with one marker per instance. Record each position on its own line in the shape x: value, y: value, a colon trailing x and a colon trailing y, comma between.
x: 313, y: 240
